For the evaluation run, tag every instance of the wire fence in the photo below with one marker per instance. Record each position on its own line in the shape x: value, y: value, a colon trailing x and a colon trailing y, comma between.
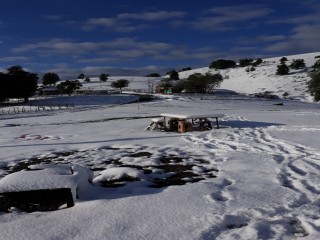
x: 31, y: 108
x: 217, y: 97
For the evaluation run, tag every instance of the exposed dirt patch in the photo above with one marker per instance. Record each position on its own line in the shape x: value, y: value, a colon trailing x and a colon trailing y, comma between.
x: 55, y: 158
x: 177, y: 168
x: 179, y: 178
x: 141, y: 154
x: 171, y: 159
x: 170, y: 170
x: 118, y: 182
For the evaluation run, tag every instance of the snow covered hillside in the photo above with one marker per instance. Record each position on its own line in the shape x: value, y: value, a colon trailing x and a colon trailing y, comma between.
x: 264, y: 78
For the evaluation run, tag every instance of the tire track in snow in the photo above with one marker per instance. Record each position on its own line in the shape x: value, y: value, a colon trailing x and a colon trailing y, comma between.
x: 298, y: 165
x: 298, y: 169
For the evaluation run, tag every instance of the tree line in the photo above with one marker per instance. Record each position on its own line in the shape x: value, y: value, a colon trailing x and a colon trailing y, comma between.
x: 196, y: 83
x: 17, y: 83
x: 21, y: 84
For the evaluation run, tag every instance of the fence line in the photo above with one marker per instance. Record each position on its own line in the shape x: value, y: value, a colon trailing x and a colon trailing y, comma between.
x: 34, y: 108
x: 216, y: 97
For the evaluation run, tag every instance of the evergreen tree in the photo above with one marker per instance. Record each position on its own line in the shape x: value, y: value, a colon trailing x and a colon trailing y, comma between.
x: 16, y: 69
x: 282, y: 69
x: 81, y: 76
x: 50, y: 78
x: 103, y: 77
x: 174, y: 75
x: 121, y: 83
x: 18, y: 83
x: 153, y: 75
x: 314, y: 85
x: 185, y: 69
x: 68, y: 87
x: 257, y: 62
x: 245, y: 62
x: 223, y: 64
x: 202, y: 83
x: 297, y: 64
x: 283, y: 60
x: 316, y: 65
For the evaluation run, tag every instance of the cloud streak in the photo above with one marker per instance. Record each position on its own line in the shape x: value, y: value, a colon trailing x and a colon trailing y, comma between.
x: 123, y: 22
x: 13, y: 59
x: 228, y: 18
x: 305, y: 38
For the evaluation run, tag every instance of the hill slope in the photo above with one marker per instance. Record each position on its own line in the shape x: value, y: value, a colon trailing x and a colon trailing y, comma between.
x: 265, y: 79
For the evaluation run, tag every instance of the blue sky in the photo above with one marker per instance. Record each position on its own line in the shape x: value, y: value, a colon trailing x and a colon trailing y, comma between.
x: 136, y: 37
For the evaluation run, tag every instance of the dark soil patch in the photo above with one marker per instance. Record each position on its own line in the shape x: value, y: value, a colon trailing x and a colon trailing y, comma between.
x: 141, y: 154
x: 234, y: 226
x: 180, y: 168
x: 113, y: 161
x: 202, y: 161
x: 118, y: 182
x: 132, y: 166
x: 25, y: 164
x: 171, y: 159
x: 147, y: 171
x: 65, y: 153
x: 175, y: 168
x: 180, y: 178
x: 97, y: 168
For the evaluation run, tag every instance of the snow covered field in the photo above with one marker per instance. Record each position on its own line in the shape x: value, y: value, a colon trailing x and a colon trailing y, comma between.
x: 257, y: 177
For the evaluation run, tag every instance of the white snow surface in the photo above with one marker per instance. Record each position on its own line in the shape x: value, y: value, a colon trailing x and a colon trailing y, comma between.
x: 117, y: 173
x: 267, y: 156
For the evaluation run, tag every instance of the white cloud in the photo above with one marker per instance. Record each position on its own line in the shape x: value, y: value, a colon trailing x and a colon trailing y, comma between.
x: 13, y: 59
x: 241, y: 12
x: 243, y: 49
x: 62, y: 46
x: 113, y: 24
x: 104, y: 22
x: 270, y: 38
x: 229, y: 18
x: 121, y: 48
x: 313, y: 16
x: 153, y: 16
x: 305, y: 38
x: 53, y: 17
x: 123, y: 21
x: 105, y: 52
x: 99, y: 60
